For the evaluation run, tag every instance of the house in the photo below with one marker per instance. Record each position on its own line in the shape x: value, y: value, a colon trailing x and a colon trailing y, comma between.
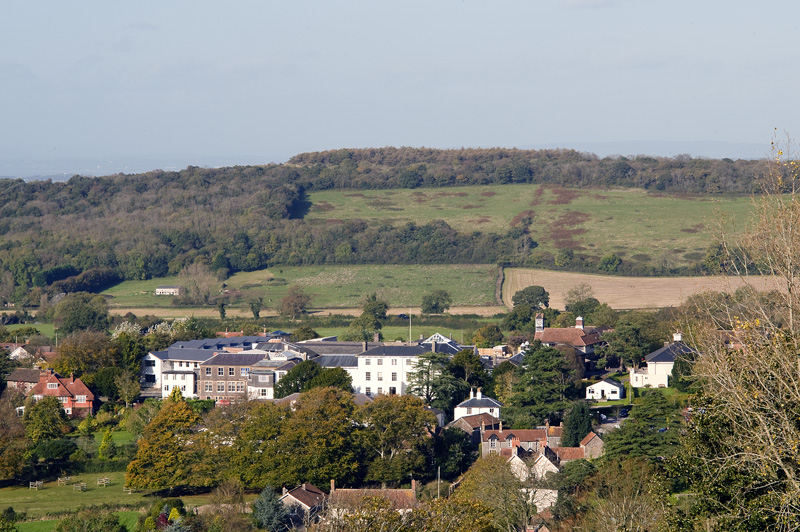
x: 20, y: 353
x: 606, y: 389
x: 658, y: 365
x: 438, y: 343
x: 592, y: 446
x: 531, y: 440
x: 169, y: 290
x: 23, y: 380
x: 76, y: 398
x: 582, y: 338
x: 303, y: 500
x: 477, y: 404
x: 385, y: 369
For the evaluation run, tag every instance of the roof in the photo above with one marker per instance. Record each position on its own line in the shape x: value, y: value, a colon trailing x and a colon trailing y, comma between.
x: 523, y: 435
x: 612, y: 382
x: 569, y: 453
x: 24, y: 375
x: 483, y: 402
x: 67, y: 387
x: 306, y: 494
x: 329, y: 347
x: 401, y: 499
x: 669, y: 352
x: 589, y: 437
x: 474, y: 420
x: 361, y: 399
x: 234, y: 359
x: 337, y: 361
x: 569, y: 336
x: 395, y: 351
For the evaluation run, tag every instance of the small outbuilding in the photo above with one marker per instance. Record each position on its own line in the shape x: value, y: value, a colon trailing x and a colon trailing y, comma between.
x: 606, y: 389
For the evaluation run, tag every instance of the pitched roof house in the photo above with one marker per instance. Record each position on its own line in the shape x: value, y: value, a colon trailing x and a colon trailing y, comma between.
x: 609, y: 389
x: 304, y: 499
x: 658, y: 365
x: 76, y: 398
x: 343, y: 500
x: 584, y: 339
x: 23, y: 380
x: 477, y: 404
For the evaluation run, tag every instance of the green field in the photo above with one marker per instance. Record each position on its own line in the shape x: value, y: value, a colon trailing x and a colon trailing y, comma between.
x: 337, y: 286
x: 629, y: 222
x: 47, y: 329
x: 128, y: 518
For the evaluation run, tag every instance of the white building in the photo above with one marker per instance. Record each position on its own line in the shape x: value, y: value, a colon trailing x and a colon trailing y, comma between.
x: 169, y: 290
x: 477, y: 404
x: 385, y: 369
x: 659, y: 364
x: 608, y: 389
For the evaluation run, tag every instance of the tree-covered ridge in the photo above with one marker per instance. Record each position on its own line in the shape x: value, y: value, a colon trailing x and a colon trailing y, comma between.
x: 245, y: 218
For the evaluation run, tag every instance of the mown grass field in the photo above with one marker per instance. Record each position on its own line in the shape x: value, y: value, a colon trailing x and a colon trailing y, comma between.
x: 335, y: 286
x: 629, y: 222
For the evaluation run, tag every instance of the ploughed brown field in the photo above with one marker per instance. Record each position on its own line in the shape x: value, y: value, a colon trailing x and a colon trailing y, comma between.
x: 626, y: 292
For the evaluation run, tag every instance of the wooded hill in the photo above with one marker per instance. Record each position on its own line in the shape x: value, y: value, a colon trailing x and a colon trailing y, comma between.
x: 245, y: 218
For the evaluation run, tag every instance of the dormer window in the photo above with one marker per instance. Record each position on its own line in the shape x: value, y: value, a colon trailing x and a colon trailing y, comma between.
x: 52, y: 385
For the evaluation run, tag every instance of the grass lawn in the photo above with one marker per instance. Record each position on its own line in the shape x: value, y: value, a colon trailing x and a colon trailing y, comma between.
x: 55, y: 499
x: 47, y: 329
x: 629, y: 222
x: 120, y: 437
x: 128, y: 518
x: 337, y: 286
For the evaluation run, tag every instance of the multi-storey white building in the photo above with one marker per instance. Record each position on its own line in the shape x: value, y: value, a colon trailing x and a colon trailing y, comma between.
x: 385, y: 369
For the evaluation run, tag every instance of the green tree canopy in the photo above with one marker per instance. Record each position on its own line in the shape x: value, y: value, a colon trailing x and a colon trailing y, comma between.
x: 436, y: 302
x: 577, y: 425
x: 489, y: 335
x: 294, y: 303
x: 269, y: 513
x: 45, y: 419
x: 331, y: 377
x: 296, y: 378
x: 304, y: 332
x: 374, y: 306
x: 432, y: 381
x: 536, y: 297
x: 79, y: 311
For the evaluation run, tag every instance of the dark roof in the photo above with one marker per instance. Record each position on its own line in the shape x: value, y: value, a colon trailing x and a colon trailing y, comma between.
x: 669, y: 352
x: 361, y: 399
x: 517, y: 359
x: 395, y: 351
x: 483, y: 402
x: 194, y: 355
x: 279, y: 347
x: 306, y: 494
x: 325, y: 347
x: 23, y: 375
x: 613, y: 382
x: 337, y: 361
x: 234, y: 359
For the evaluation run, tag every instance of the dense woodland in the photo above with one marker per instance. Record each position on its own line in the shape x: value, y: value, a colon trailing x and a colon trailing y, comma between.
x: 245, y: 218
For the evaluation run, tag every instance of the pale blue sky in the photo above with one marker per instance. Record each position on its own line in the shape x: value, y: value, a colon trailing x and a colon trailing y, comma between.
x: 199, y: 82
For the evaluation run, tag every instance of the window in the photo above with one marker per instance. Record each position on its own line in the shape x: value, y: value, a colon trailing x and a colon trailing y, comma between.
x: 239, y: 386
x: 263, y: 392
x: 244, y: 372
x: 180, y: 364
x: 492, y: 443
x: 380, y: 362
x: 150, y: 378
x: 231, y: 371
x: 491, y: 410
x: 231, y: 386
x: 263, y: 378
x: 367, y: 362
x: 208, y: 371
x: 394, y: 362
x: 209, y: 387
x: 197, y: 365
x: 367, y: 376
x: 183, y: 377
x: 380, y: 391
x: 38, y: 397
x: 380, y: 375
x: 368, y: 390
x: 220, y: 386
x: 394, y: 376
x: 149, y: 363
x: 183, y: 388
x: 68, y: 410
x: 469, y: 411
x: 392, y: 390
x: 221, y: 371
x: 166, y: 387
x: 52, y: 385
x: 80, y: 398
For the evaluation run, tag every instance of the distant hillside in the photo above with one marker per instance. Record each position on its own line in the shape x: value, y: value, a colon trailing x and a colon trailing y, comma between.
x: 244, y: 218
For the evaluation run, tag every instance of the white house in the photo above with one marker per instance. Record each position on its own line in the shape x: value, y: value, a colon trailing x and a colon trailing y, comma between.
x: 385, y: 369
x: 169, y: 290
x: 477, y: 404
x: 659, y: 364
x: 608, y: 389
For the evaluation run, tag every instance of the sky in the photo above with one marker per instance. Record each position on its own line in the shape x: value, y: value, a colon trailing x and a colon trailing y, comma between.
x: 102, y: 87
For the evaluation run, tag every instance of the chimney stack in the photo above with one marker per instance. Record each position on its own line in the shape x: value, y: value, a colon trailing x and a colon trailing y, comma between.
x: 479, y: 395
x: 414, y: 487
x: 364, y: 346
x: 677, y: 336
x: 433, y: 346
x: 501, y: 425
x: 285, y: 491
x: 304, y: 486
x: 333, y: 485
x: 579, y: 322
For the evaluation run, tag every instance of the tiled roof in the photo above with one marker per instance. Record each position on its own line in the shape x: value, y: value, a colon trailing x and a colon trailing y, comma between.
x: 306, y: 494
x: 589, y: 437
x: 233, y: 359
x: 568, y: 336
x: 669, y: 352
x: 395, y: 351
x: 474, y: 420
x: 23, y: 375
x: 67, y: 387
x: 612, y: 382
x: 569, y: 453
x: 523, y: 435
x: 337, y: 361
x: 401, y: 499
x: 483, y: 402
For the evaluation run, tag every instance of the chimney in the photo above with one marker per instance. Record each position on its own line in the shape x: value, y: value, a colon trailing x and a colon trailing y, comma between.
x: 414, y: 487
x: 376, y: 337
x: 285, y: 491
x: 483, y: 426
x: 71, y: 377
x: 433, y: 346
x: 304, y: 486
x: 677, y: 336
x: 333, y: 486
x: 501, y: 425
x: 479, y: 395
x: 365, y: 346
x: 579, y: 322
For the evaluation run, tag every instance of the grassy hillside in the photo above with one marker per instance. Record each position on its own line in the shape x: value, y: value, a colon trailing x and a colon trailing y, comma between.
x: 641, y: 227
x: 336, y: 286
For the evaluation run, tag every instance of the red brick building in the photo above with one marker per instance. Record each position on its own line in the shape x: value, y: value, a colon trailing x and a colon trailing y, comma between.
x: 76, y: 398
